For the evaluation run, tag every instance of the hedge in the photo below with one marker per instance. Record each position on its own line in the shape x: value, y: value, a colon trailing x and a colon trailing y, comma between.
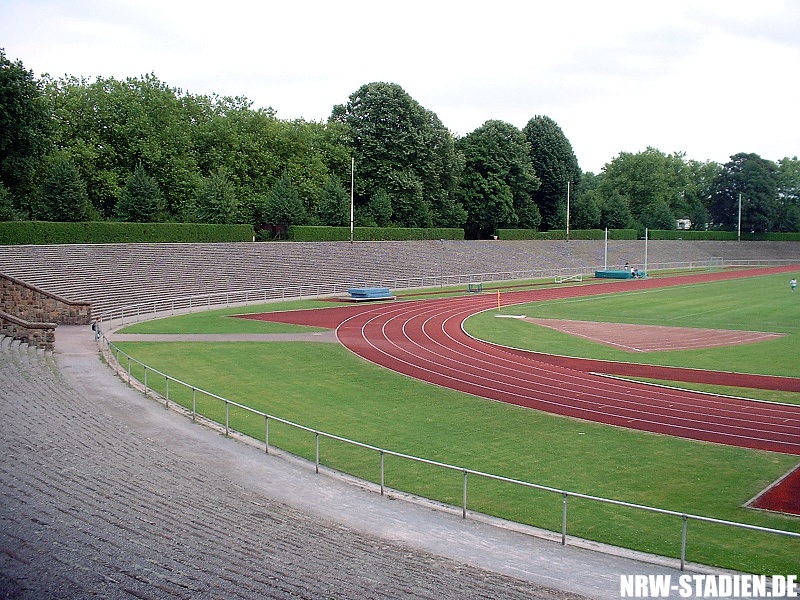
x: 308, y: 233
x: 106, y: 232
x: 561, y: 234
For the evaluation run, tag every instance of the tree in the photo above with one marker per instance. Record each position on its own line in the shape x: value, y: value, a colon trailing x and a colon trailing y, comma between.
x: 334, y: 209
x: 654, y: 184
x: 499, y: 181
x: 140, y: 201
x: 658, y: 216
x: 380, y: 208
x: 108, y: 126
x: 403, y: 149
x: 7, y: 211
x: 62, y: 196
x: 215, y: 201
x: 615, y: 213
x: 585, y: 212
x: 755, y: 178
x: 24, y: 130
x: 789, y: 194
x: 555, y: 165
x: 283, y: 205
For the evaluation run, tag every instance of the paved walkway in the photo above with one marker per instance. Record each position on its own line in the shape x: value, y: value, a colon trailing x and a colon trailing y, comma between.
x: 107, y: 494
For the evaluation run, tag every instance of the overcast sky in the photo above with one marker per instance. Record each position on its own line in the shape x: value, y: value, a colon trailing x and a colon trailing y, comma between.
x: 706, y: 77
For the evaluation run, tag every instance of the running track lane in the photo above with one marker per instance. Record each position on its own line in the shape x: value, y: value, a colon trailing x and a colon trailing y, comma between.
x: 425, y: 340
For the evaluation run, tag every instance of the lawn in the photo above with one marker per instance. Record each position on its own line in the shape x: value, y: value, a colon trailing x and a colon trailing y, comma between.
x: 751, y: 304
x: 326, y: 387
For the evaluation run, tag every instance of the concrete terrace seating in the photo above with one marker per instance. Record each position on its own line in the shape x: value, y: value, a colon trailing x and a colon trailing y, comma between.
x: 115, y: 275
x: 106, y: 496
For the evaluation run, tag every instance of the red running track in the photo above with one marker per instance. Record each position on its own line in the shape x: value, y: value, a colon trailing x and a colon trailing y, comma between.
x: 425, y: 340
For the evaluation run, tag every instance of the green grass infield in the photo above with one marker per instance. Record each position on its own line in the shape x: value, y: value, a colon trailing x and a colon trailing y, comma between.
x: 326, y: 387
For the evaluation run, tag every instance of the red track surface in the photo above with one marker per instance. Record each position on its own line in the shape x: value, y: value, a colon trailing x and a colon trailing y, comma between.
x: 425, y: 340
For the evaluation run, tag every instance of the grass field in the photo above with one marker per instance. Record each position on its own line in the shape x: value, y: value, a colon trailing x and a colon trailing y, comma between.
x: 326, y: 387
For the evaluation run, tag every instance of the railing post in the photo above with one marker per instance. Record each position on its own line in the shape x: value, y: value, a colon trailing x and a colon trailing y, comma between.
x: 166, y: 391
x: 145, y: 380
x: 316, y: 458
x: 382, y: 473
x: 683, y: 542
x: 564, y: 521
x: 227, y: 418
x: 194, y: 404
x: 129, y: 369
x: 266, y: 434
x: 464, y: 503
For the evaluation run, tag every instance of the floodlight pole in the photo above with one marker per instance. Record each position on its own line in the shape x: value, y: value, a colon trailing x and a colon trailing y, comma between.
x: 352, y: 181
x: 646, y: 235
x: 605, y: 252
x: 441, y: 265
x: 567, y: 210
x: 739, y: 228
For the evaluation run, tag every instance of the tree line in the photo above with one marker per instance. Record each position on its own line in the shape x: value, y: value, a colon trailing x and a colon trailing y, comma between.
x: 140, y: 150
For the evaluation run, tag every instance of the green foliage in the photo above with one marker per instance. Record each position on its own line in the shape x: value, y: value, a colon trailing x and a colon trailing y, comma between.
x: 62, y: 196
x: 305, y: 233
x: 7, y: 211
x: 659, y: 216
x: 334, y: 210
x: 107, y: 126
x: 755, y: 180
x: 585, y: 212
x: 555, y: 165
x: 615, y: 212
x: 140, y: 201
x: 25, y: 129
x: 653, y: 188
x: 104, y: 232
x: 498, y: 183
x: 215, y: 201
x: 283, y: 205
x: 380, y: 208
x: 402, y: 148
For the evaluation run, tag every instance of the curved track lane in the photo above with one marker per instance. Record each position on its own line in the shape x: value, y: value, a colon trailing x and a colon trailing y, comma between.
x: 425, y: 340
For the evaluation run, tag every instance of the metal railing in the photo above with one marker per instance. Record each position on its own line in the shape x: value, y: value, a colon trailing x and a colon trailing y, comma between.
x: 153, y: 308
x: 114, y: 352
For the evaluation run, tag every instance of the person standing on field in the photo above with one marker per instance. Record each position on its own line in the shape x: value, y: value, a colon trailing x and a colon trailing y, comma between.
x: 793, y: 283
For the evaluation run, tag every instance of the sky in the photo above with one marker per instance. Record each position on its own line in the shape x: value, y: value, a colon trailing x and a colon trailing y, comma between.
x: 707, y: 78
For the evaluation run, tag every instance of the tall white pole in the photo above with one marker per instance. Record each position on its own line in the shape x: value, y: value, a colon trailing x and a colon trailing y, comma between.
x: 605, y: 253
x: 352, y: 181
x: 567, y: 210
x: 739, y: 229
x: 646, y: 235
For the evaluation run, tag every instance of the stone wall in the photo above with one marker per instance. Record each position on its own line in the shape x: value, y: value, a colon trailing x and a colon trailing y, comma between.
x: 36, y: 335
x: 35, y: 305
